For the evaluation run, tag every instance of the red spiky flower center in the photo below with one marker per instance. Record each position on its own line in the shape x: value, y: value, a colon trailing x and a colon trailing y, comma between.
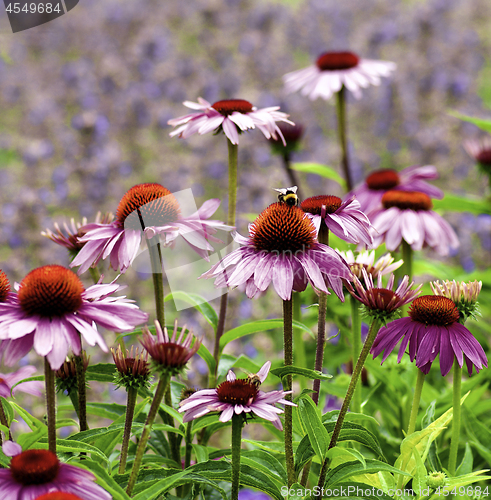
x: 484, y: 157
x: 407, y: 200
x: 50, y: 291
x: 283, y: 228
x: 434, y: 310
x: 238, y: 392
x: 4, y: 286
x: 34, y: 467
x: 314, y: 204
x: 383, y: 179
x: 146, y: 205
x: 169, y: 354
x: 58, y: 495
x: 332, y: 61
x: 228, y: 106
x: 382, y: 297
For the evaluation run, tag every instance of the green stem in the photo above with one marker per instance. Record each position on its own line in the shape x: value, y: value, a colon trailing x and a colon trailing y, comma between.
x: 416, y: 399
x: 173, y: 439
x: 157, y: 276
x: 82, y: 392
x: 298, y: 336
x: 49, y: 380
x: 342, y: 133
x: 159, y: 395
x: 237, y: 423
x: 454, y: 444
x: 407, y: 257
x: 94, y: 274
x: 189, y: 446
x: 74, y: 399
x: 355, y: 347
x: 321, y: 339
x: 233, y: 150
x: 372, y: 333
x: 288, y: 351
x: 130, y: 411
x: 289, y: 171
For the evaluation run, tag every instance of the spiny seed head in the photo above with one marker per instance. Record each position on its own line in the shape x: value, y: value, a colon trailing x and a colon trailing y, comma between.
x: 434, y: 310
x: 34, y: 467
x: 436, y: 479
x: 4, y: 286
x: 229, y: 106
x: 484, y: 157
x: 50, y: 291
x: 132, y: 367
x: 333, y: 61
x: 384, y: 179
x: 283, y: 228
x: 407, y: 200
x: 237, y: 392
x: 66, y: 375
x: 314, y: 204
x: 147, y: 205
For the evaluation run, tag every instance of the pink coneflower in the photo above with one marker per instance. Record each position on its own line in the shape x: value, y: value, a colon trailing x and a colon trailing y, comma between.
x: 170, y: 354
x: 344, y: 219
x: 366, y: 260
x: 480, y: 150
x: 232, y: 116
x: 70, y: 239
x: 236, y: 396
x: 52, y: 309
x: 152, y: 209
x: 332, y: 71
x: 432, y: 328
x: 5, y: 290
x: 407, y: 216
x: 37, y: 472
x: 379, y: 301
x: 282, y: 249
x: 370, y: 193
x: 8, y: 380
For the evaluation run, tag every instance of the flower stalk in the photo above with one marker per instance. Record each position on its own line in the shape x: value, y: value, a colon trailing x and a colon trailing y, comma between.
x: 237, y: 423
x: 355, y: 347
x: 416, y: 399
x: 288, y: 353
x: 342, y: 133
x: 130, y: 411
x: 49, y: 380
x: 157, y: 276
x: 82, y: 392
x: 454, y: 443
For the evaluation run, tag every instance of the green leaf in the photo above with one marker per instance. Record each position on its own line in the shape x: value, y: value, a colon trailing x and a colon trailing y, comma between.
x: 267, y: 463
x: 39, y: 429
x: 256, y: 326
x: 317, y: 433
x: 104, y: 479
x: 69, y: 446
x: 467, y: 463
x: 354, y: 490
x: 348, y: 453
x: 478, y: 122
x: 349, y: 469
x: 37, y: 378
x: 200, y: 452
x: 205, y: 354
x: 473, y: 477
x: 454, y: 203
x: 296, y: 370
x: 319, y: 169
x: 160, y: 487
x: 419, y: 479
x: 102, y: 372
x: 7, y: 408
x: 332, y: 416
x: 200, y: 303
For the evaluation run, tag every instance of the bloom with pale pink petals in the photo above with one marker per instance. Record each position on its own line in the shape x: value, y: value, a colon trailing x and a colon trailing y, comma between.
x: 369, y: 194
x: 232, y: 116
x: 407, y: 216
x: 236, y: 396
x: 9, y: 380
x: 52, y: 310
x: 150, y: 209
x: 366, y: 260
x: 480, y: 150
x: 282, y: 249
x: 335, y: 70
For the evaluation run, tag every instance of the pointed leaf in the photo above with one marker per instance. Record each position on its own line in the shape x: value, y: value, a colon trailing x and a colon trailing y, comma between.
x: 297, y: 370
x: 319, y: 169
x: 317, y: 433
x: 200, y: 303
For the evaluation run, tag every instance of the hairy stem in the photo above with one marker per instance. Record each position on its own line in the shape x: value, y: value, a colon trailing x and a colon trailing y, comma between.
x: 355, y: 347
x: 342, y: 133
x: 130, y: 410
x: 288, y: 350
x: 454, y: 443
x: 82, y: 392
x: 416, y: 399
x: 49, y: 380
x: 237, y: 423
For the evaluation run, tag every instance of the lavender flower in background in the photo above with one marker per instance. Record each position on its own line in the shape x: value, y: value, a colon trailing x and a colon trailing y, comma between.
x: 232, y: 116
x: 480, y: 151
x: 332, y: 71
x: 9, y: 380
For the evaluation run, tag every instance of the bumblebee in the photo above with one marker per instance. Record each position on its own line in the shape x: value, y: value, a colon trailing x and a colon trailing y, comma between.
x: 254, y: 380
x: 288, y: 196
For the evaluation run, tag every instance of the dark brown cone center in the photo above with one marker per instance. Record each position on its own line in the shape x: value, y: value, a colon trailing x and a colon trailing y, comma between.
x: 4, y: 286
x: 383, y: 180
x: 169, y: 354
x: 314, y: 204
x: 332, y: 61
x: 283, y: 228
x: 147, y: 205
x: 50, y: 291
x: 34, y: 467
x: 238, y: 392
x: 484, y: 157
x: 383, y: 295
x: 228, y: 106
x: 434, y: 310
x: 407, y: 200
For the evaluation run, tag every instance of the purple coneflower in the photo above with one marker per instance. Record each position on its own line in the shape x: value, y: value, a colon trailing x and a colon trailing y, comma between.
x: 236, y: 396
x: 344, y: 219
x: 480, y: 150
x: 153, y: 209
x: 366, y: 260
x: 369, y: 194
x: 52, y: 309
x: 8, y: 380
x: 432, y: 328
x: 232, y: 116
x: 407, y: 215
x: 332, y: 71
x: 282, y: 249
x: 36, y: 472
